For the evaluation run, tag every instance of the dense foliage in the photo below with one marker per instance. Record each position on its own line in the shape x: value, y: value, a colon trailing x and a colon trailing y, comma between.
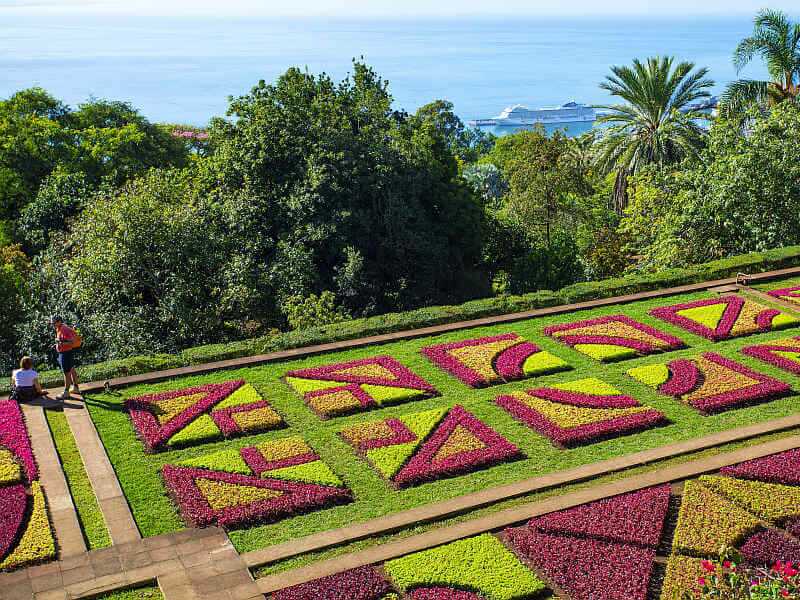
x: 315, y: 201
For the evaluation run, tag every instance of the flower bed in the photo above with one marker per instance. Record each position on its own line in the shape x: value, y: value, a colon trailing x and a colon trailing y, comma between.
x: 612, y: 338
x: 710, y: 382
x: 784, y: 353
x: 779, y: 468
x: 363, y: 583
x: 725, y: 317
x: 25, y: 533
x: 769, y: 501
x: 16, y: 456
x: 346, y: 388
x: 257, y: 484
x: 708, y: 521
x: 429, y: 445
x: 492, y: 360
x: 790, y: 294
x: 479, y: 565
x: 597, y: 551
x: 200, y: 414
x: 580, y: 412
x: 765, y: 548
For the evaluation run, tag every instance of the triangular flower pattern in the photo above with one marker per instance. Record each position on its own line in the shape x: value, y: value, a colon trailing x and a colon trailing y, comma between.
x: 200, y: 414
x: 580, y: 412
x: 790, y: 294
x: 783, y: 353
x: 214, y: 490
x: 356, y: 386
x: 597, y: 551
x: 614, y: 337
x: 429, y: 445
x: 492, y: 360
x: 725, y: 317
x: 710, y: 383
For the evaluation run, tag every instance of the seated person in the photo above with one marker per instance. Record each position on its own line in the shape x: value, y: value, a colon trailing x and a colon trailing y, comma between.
x: 25, y: 384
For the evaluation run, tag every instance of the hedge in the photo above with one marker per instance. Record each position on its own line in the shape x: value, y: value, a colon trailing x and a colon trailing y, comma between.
x: 435, y: 315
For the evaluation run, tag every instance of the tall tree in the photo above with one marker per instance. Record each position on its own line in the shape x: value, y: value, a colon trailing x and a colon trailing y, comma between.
x: 777, y: 41
x: 656, y: 124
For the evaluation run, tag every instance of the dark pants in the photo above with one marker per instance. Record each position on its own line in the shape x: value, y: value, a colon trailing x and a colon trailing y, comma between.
x: 66, y: 360
x: 24, y: 393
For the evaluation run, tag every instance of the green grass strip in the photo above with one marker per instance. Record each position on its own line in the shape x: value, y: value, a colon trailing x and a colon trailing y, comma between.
x: 89, y: 515
x: 148, y: 592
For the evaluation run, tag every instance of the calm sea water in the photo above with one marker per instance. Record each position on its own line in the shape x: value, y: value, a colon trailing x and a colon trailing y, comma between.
x: 183, y: 70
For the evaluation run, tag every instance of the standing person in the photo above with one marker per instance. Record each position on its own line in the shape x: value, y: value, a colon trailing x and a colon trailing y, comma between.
x: 67, y: 342
x: 25, y: 382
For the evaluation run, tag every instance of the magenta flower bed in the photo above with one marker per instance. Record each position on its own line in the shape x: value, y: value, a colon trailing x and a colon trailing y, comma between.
x: 506, y: 364
x: 767, y: 547
x: 792, y: 294
x: 635, y: 518
x: 14, y: 436
x: 363, y: 583
x: 781, y: 468
x: 586, y: 569
x: 13, y: 502
x: 294, y: 499
x: 733, y: 311
x: 585, y: 433
x: 423, y: 465
x: 687, y: 377
x: 155, y: 435
x: 653, y: 340
x: 769, y: 354
x: 403, y: 377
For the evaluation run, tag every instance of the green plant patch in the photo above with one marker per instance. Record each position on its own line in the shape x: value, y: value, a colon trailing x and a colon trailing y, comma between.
x: 89, y: 515
x: 147, y: 592
x: 374, y: 495
x: 481, y: 564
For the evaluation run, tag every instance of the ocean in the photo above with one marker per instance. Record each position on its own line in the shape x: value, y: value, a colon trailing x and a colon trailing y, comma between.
x: 184, y: 69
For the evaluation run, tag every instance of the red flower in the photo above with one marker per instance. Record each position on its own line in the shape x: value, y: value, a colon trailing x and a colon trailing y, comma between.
x: 708, y: 566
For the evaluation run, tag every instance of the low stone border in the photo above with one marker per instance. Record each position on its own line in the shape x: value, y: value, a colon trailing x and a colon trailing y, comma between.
x: 518, y: 514
x: 113, y: 504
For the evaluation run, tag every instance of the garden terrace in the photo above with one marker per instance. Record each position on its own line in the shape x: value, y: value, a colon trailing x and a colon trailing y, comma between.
x: 445, y: 457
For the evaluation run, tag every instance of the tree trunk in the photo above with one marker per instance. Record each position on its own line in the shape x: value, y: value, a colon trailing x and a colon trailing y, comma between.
x: 620, y: 200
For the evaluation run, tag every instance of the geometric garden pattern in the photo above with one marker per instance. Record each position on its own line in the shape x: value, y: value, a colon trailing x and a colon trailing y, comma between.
x: 26, y: 535
x: 604, y: 550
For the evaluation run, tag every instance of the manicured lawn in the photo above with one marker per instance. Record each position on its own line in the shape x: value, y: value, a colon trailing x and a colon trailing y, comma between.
x: 89, y: 515
x: 155, y: 513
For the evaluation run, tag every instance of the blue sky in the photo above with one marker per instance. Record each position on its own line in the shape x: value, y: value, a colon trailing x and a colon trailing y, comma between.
x: 404, y: 8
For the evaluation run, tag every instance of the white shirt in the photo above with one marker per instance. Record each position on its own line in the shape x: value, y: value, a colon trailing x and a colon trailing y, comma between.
x: 24, y: 377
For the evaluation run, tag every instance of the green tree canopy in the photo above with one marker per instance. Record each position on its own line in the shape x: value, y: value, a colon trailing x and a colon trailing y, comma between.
x: 328, y: 188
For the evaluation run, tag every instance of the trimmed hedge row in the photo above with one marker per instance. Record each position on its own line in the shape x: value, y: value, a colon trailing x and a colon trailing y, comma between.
x: 435, y: 315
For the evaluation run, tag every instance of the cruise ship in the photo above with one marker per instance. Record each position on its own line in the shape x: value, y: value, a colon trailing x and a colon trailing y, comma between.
x: 515, y: 116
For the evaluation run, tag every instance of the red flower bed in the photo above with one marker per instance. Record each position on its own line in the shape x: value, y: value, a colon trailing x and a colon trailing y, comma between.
x: 781, y: 468
x: 490, y: 360
x: 615, y: 330
x: 767, y: 547
x: 14, y: 436
x: 428, y: 463
x: 740, y: 317
x: 13, y: 502
x: 363, y: 583
x: 771, y: 353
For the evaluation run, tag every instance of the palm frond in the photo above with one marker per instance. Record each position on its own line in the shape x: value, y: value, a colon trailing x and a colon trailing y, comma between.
x: 742, y: 94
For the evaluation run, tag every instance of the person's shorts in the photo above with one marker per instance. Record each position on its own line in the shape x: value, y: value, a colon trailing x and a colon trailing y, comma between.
x: 66, y: 360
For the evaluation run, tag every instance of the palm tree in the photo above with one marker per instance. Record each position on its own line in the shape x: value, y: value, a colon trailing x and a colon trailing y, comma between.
x: 777, y: 41
x: 656, y: 124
